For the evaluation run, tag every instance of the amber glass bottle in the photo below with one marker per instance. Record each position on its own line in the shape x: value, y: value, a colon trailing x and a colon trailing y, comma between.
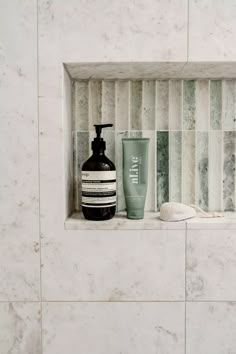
x: 99, y: 181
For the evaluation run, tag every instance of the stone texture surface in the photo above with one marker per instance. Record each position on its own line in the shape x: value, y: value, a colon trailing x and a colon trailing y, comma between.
x: 19, y: 194
x: 212, y: 30
x: 123, y: 32
x: 20, y: 330
x: 229, y: 170
x: 211, y: 265
x: 115, y: 266
x: 19, y: 271
x: 211, y: 328
x: 113, y: 328
x: 162, y: 168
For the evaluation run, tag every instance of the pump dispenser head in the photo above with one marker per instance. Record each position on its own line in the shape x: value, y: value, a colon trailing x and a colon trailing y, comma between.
x: 98, y: 144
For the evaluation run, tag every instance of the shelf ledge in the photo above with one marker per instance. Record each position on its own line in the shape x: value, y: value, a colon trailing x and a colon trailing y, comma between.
x: 151, y: 222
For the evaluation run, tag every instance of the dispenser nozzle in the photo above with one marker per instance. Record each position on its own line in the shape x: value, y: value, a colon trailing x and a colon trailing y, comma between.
x: 99, y: 127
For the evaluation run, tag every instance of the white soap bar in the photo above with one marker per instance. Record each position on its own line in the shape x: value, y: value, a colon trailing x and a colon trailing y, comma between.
x: 172, y: 211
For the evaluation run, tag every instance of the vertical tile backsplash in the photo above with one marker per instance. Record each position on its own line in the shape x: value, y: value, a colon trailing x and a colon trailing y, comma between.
x: 191, y: 125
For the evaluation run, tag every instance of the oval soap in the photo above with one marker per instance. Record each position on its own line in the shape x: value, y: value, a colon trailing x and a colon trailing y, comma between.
x: 172, y: 211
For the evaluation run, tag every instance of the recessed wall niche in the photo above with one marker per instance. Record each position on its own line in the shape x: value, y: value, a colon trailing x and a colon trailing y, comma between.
x: 191, y: 124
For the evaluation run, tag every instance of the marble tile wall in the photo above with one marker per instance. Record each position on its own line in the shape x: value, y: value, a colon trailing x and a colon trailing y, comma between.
x: 192, y: 129
x: 99, y: 291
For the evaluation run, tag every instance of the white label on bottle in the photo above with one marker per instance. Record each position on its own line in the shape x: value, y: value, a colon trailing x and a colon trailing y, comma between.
x: 98, y: 189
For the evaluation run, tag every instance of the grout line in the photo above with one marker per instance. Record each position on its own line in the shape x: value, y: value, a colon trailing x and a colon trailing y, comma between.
x: 209, y: 106
x: 129, y: 106
x: 155, y: 147
x: 119, y: 301
x: 102, y: 101
x: 208, y: 142
x: 39, y: 190
x: 169, y: 147
x: 142, y: 105
x: 157, y: 130
x: 182, y: 141
x: 185, y: 288
x: 115, y: 110
x: 188, y: 31
x: 196, y: 173
x: 222, y: 149
x: 69, y: 74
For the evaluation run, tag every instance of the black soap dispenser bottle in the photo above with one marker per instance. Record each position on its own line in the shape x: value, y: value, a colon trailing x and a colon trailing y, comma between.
x: 99, y: 181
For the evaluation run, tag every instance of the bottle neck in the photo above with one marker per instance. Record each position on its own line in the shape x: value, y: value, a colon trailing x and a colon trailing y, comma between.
x: 98, y: 152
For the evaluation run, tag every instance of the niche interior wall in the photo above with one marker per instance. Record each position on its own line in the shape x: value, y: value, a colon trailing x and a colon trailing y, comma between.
x: 191, y: 125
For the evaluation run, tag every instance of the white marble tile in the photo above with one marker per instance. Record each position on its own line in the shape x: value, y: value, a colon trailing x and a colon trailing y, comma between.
x: 211, y: 328
x: 20, y: 328
x: 211, y: 265
x: 202, y: 97
x: 18, y: 116
x: 51, y: 168
x: 114, y: 266
x: 175, y: 104
x: 227, y: 221
x: 151, y: 221
x: 212, y: 30
x: 109, y: 31
x: 19, y: 271
x: 215, y: 174
x: 91, y: 31
x: 68, y: 144
x: 102, y: 328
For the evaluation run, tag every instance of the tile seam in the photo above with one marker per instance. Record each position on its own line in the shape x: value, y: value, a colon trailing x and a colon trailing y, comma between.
x: 39, y: 190
x: 185, y: 288
x: 116, y: 301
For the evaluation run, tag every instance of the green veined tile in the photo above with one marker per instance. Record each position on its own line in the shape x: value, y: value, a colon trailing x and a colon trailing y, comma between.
x: 162, y: 168
x: 189, y: 105
x: 150, y: 203
x: 148, y: 105
x: 80, y: 96
x: 175, y: 177
x: 122, y: 104
x: 215, y: 104
x: 228, y: 105
x: 95, y: 103
x: 229, y: 171
x: 215, y: 170
x: 188, y: 167
x: 175, y: 104
x: 202, y: 104
x: 162, y: 104
x: 109, y: 137
x: 119, y: 169
x: 135, y: 105
x: 108, y: 103
x: 81, y: 154
x: 202, y: 170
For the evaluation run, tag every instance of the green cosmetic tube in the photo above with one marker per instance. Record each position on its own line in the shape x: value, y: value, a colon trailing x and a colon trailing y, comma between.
x: 135, y: 174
